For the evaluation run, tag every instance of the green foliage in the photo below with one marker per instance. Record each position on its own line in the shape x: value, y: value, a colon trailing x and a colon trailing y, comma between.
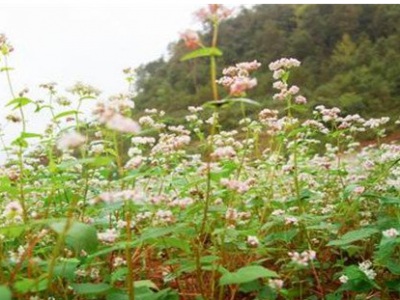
x: 246, y: 274
x: 5, y: 293
x: 202, y: 52
x: 79, y: 236
x: 349, y: 57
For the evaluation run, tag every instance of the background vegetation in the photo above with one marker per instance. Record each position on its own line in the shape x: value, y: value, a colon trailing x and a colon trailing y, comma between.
x: 350, y: 59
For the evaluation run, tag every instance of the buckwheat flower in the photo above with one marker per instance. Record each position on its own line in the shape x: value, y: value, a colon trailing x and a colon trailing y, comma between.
x: 81, y: 273
x: 63, y: 101
x: 94, y: 273
x: 84, y: 90
x: 123, y: 124
x: 279, y: 85
x: 236, y: 185
x: 121, y: 224
x: 231, y: 214
x: 304, y: 258
x: 108, y: 236
x: 16, y: 256
x: 275, y: 284
x: 5, y: 46
x: 13, y: 209
x: 14, y: 117
x: 191, y: 39
x: 242, y: 84
x: 226, y: 152
x: 143, y: 140
x: 70, y: 140
x: 192, y: 118
x: 146, y: 121
x: 278, y: 74
x: 390, y: 233
x: 366, y: 268
x: 195, y: 109
x: 358, y: 190
x: 118, y: 261
x: 97, y: 148
x: 213, y: 13
x: 284, y: 63
x: 181, y: 203
x: 143, y: 216
x: 134, y: 162
x: 164, y: 216
x: 253, y: 241
x: 278, y: 212
x: 291, y: 221
x: 294, y: 89
x: 300, y: 100
x: 343, y: 279
x: 248, y: 66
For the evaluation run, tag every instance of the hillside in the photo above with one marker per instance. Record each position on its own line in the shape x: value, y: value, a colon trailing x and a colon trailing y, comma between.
x: 350, y: 58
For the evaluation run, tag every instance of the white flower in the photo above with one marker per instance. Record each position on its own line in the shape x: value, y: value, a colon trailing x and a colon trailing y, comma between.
x: 123, y: 124
x: 291, y: 220
x: 390, y: 233
x: 108, y: 236
x: 70, y: 140
x: 252, y: 241
x: 13, y: 209
x: 366, y: 267
x: 275, y: 284
x: 343, y: 279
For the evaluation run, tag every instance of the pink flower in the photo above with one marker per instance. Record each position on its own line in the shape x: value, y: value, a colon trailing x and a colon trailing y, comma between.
x: 241, y: 84
x: 70, y: 140
x: 123, y: 124
x: 191, y: 39
x: 300, y: 100
x: 213, y: 12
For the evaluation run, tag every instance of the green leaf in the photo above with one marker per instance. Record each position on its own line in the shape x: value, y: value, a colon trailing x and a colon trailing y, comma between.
x: 353, y: 236
x: 79, y: 236
x: 66, y: 269
x: 26, y: 285
x: 90, y: 288
x: 5, y: 293
x: 389, y: 200
x: 246, y: 274
x: 229, y: 101
x: 285, y: 236
x: 119, y: 274
x: 13, y: 231
x: 65, y: 114
x: 147, y: 283
x: 28, y: 135
x: 19, y: 102
x: 202, y: 52
x: 393, y: 266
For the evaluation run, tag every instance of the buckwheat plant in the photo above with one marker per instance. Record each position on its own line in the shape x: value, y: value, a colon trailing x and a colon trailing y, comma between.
x: 104, y: 206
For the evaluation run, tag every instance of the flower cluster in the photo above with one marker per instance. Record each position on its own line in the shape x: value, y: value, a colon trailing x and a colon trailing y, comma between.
x: 213, y: 13
x: 237, y: 78
x: 191, y: 39
x: 391, y: 233
x: 304, y: 258
x: 84, y: 90
x: 366, y: 268
x: 110, y: 113
x: 281, y: 68
x: 5, y: 46
x: 70, y: 140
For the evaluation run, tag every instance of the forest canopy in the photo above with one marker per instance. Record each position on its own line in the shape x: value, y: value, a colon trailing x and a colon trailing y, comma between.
x: 350, y: 58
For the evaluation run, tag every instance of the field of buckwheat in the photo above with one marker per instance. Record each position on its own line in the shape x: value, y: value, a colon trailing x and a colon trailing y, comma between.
x: 108, y: 207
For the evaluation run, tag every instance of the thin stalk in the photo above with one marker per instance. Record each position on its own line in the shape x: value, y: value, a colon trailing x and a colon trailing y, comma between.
x: 128, y: 254
x: 213, y: 64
